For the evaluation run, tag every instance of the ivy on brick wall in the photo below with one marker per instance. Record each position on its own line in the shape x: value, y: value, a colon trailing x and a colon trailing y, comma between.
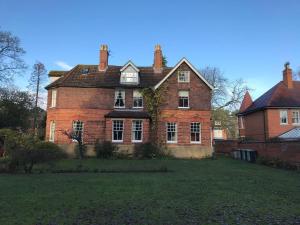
x: 153, y: 99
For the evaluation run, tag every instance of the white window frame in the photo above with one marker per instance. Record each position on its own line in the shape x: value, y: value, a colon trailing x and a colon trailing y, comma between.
x: 112, y: 131
x: 133, y: 131
x: 116, y: 97
x: 53, y: 98
x: 185, y: 74
x: 241, y: 122
x: 129, y: 78
x: 182, y: 94
x: 75, y: 127
x: 281, y: 114
x: 52, y: 131
x: 176, y: 133
x: 140, y: 96
x: 195, y: 142
x: 297, y: 117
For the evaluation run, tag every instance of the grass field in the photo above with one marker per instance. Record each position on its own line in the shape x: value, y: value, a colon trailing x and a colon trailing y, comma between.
x: 221, y: 191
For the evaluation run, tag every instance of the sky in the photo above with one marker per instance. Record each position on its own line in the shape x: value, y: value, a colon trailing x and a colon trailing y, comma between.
x: 248, y: 39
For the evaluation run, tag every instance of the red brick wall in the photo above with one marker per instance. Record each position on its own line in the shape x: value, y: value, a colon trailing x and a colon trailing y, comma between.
x: 254, y: 126
x: 91, y: 104
x: 275, y: 128
x: 284, y: 150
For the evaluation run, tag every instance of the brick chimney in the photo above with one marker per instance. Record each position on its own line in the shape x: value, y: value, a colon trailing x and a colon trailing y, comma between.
x: 287, y: 75
x: 103, y: 58
x: 158, y: 59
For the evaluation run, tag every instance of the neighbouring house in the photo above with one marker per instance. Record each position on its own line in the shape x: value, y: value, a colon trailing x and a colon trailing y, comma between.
x: 275, y: 114
x: 105, y: 102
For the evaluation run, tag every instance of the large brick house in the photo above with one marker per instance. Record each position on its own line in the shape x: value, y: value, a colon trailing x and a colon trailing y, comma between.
x: 275, y: 114
x: 104, y: 102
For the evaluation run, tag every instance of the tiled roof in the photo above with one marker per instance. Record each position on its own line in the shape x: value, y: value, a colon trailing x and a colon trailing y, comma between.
x: 247, y: 101
x: 278, y: 96
x: 57, y: 73
x: 127, y: 114
x: 291, y: 134
x: 108, y: 78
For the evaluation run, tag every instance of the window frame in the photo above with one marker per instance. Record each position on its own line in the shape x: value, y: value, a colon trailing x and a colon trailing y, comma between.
x: 116, y: 98
x: 134, y: 76
x: 280, y: 117
x: 298, y: 117
x: 112, y: 131
x: 199, y: 133
x: 82, y: 128
x: 53, y: 98
x: 133, y: 131
x: 176, y: 133
x: 186, y: 73
x: 188, y: 99
x: 52, y: 131
x: 241, y: 122
x: 139, y: 97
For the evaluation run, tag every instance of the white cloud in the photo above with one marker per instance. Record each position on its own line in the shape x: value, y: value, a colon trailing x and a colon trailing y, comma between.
x: 63, y: 65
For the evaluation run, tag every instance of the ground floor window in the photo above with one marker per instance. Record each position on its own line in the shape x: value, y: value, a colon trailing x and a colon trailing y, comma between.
x: 52, y: 131
x: 78, y: 129
x: 296, y: 117
x: 171, y: 129
x: 117, y: 130
x: 195, y: 133
x: 137, y: 131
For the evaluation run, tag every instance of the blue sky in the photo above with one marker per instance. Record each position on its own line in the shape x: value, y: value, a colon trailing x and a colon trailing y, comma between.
x: 245, y: 39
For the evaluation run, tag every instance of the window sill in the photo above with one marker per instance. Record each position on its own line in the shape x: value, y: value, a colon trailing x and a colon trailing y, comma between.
x: 296, y: 124
x: 137, y: 107
x: 136, y: 141
x: 284, y: 124
x: 119, y: 107
x: 171, y: 142
x: 183, y: 107
x: 196, y: 142
x: 117, y: 141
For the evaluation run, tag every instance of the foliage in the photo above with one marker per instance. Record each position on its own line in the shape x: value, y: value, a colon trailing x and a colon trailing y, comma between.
x: 227, y: 94
x: 36, y: 81
x: 105, y: 149
x: 164, y: 60
x: 227, y: 121
x: 24, y: 151
x: 276, y: 163
x: 148, y: 151
x: 154, y: 99
x: 15, y: 108
x: 11, y: 62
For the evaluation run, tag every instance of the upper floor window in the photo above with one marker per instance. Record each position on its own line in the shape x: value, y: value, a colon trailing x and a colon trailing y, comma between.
x: 183, y: 76
x: 283, y: 117
x: 137, y: 131
x: 137, y: 99
x: 171, y: 129
x: 78, y: 129
x: 129, y: 74
x: 52, y: 131
x: 119, y: 98
x: 183, y: 100
x: 53, y: 98
x: 296, y: 117
x: 195, y: 133
x: 241, y: 122
x: 117, y: 130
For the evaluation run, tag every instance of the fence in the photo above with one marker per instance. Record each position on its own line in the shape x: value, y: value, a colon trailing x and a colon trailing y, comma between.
x: 285, y: 150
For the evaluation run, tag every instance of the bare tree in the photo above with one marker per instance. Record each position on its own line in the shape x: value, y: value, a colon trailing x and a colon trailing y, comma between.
x: 76, y: 136
x: 36, y: 80
x: 11, y: 62
x: 226, y: 94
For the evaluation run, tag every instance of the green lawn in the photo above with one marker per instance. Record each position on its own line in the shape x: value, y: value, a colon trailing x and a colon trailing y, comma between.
x: 221, y: 191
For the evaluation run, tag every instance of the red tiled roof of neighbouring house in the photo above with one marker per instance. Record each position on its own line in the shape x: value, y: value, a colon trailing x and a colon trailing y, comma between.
x: 279, y: 96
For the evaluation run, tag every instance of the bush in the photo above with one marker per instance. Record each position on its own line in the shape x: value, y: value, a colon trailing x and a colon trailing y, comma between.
x: 276, y: 163
x: 105, y: 149
x: 79, y: 155
x: 24, y: 151
x: 148, y: 151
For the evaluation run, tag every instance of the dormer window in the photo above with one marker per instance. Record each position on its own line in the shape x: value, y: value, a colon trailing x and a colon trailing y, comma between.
x: 129, y: 74
x: 85, y: 71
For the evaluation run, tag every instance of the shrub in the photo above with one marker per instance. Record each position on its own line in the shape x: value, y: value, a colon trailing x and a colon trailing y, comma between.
x: 148, y: 151
x: 24, y: 151
x: 105, y: 149
x: 276, y: 163
x: 80, y: 154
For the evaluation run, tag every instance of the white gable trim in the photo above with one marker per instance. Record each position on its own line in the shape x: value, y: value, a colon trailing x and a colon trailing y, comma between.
x: 184, y: 60
x: 129, y: 63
